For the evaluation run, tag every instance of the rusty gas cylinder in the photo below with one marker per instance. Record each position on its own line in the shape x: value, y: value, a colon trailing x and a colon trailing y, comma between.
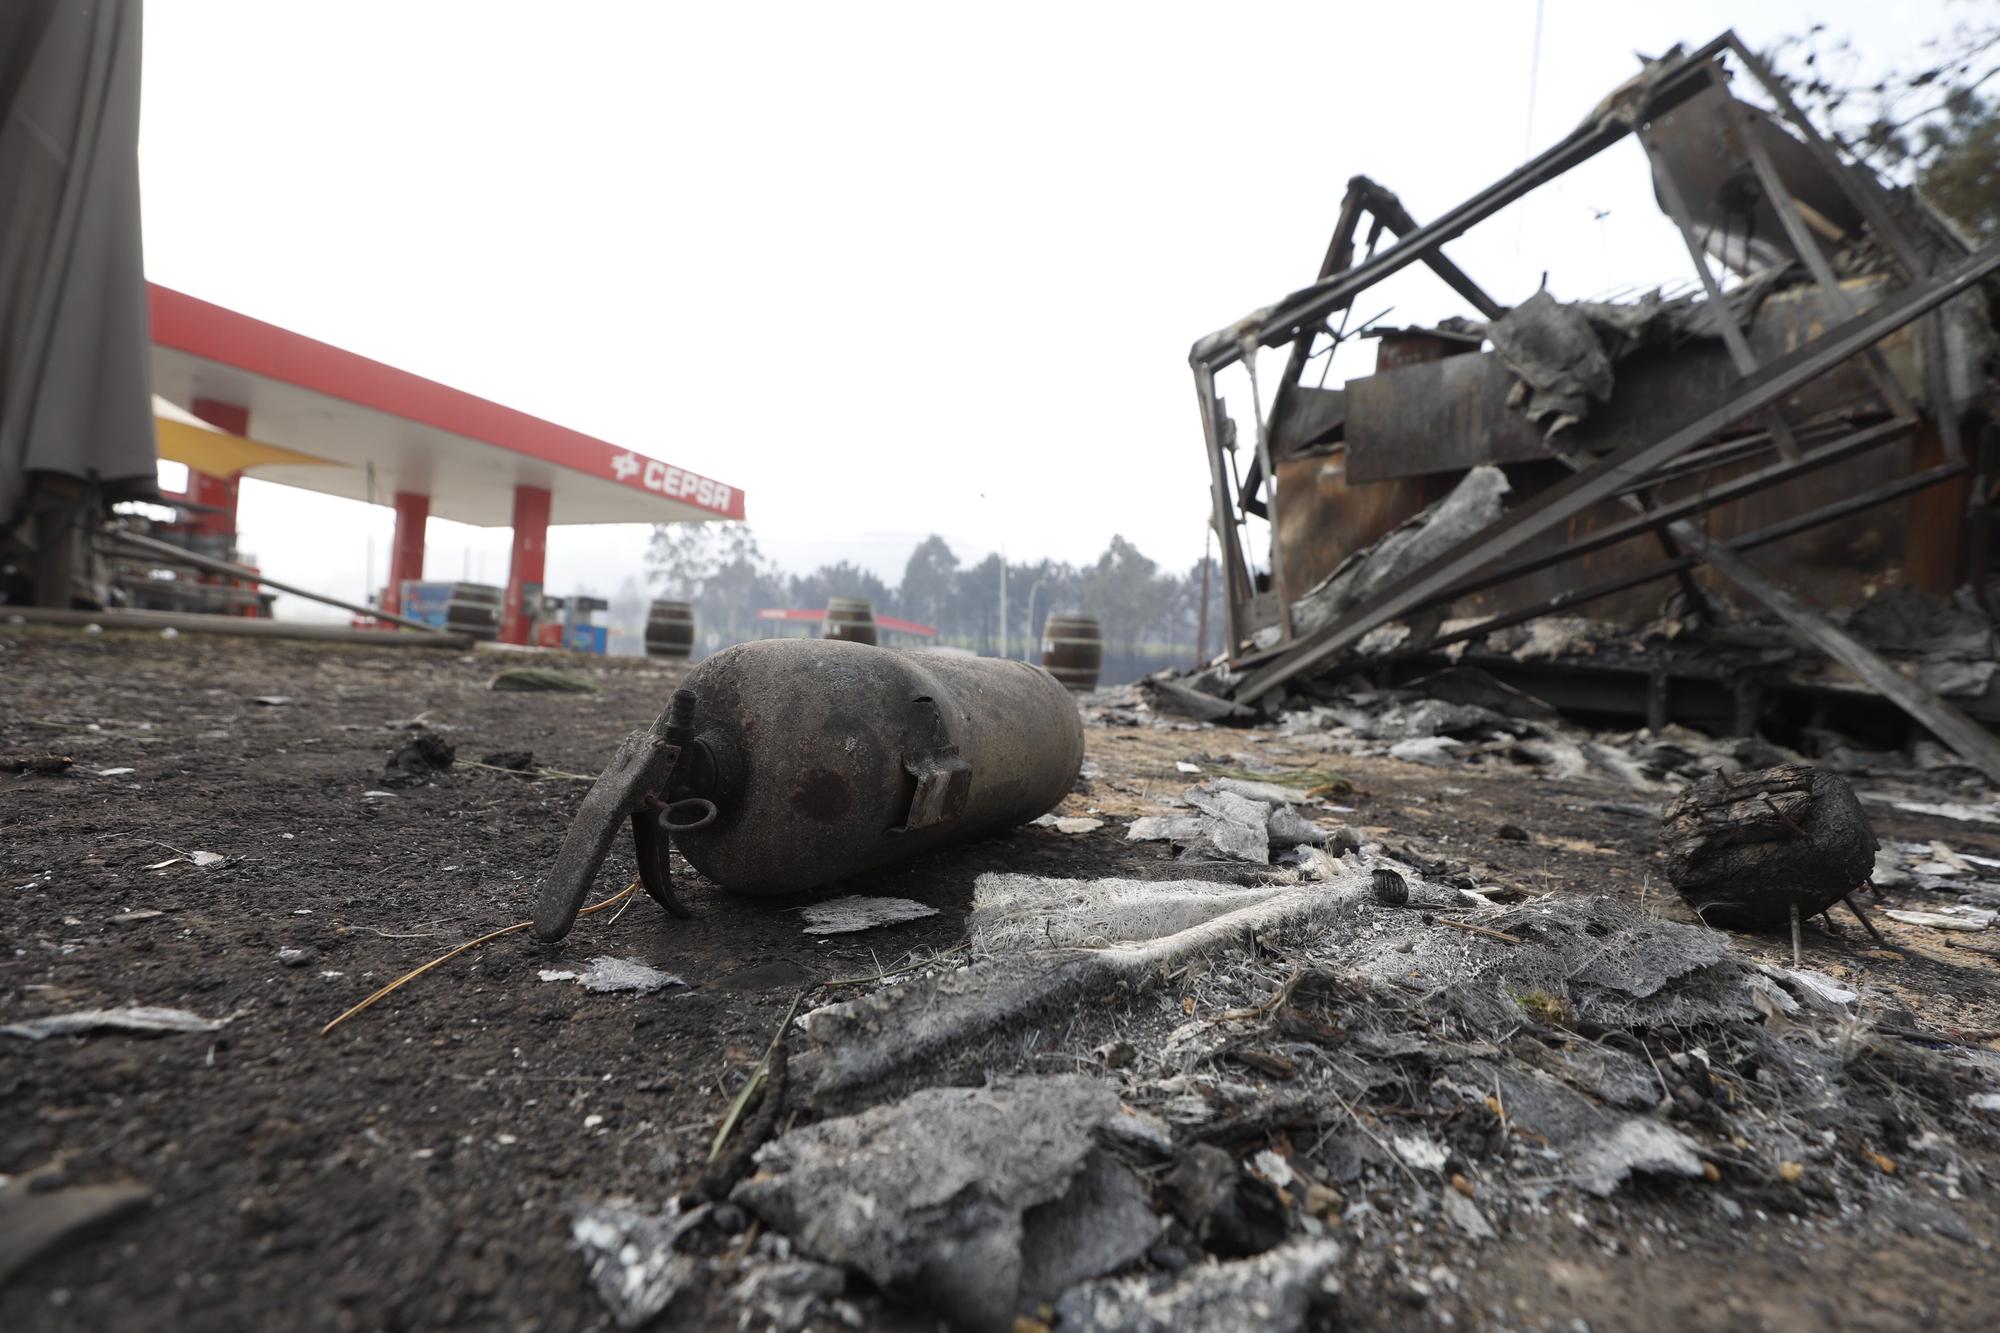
x: 1073, y: 650
x: 669, y: 629
x: 825, y: 759
x: 851, y: 619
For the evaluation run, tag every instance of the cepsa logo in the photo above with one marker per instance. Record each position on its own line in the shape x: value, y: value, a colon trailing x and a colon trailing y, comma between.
x: 672, y: 482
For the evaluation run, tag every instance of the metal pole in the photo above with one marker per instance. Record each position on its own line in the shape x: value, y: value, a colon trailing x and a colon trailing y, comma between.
x: 1003, y: 600
x: 1028, y: 648
x: 1201, y: 631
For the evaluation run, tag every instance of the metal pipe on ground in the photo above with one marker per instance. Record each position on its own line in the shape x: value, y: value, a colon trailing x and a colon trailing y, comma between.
x: 138, y: 545
x: 238, y: 626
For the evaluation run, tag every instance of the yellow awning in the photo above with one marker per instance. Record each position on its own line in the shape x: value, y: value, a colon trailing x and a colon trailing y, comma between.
x: 219, y: 453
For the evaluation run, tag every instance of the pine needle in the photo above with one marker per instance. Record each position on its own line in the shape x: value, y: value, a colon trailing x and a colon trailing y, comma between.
x: 753, y: 1089
x: 410, y: 976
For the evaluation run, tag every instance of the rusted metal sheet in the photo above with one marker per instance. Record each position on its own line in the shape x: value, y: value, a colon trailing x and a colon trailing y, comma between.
x: 1437, y: 416
x: 1307, y: 417
x: 1324, y: 517
x: 1812, y: 419
x: 1449, y: 415
x: 1732, y: 217
x: 1611, y: 475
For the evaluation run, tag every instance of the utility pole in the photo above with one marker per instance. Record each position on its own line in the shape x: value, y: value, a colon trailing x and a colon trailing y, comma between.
x: 1003, y: 599
x: 1028, y: 648
x: 1201, y: 634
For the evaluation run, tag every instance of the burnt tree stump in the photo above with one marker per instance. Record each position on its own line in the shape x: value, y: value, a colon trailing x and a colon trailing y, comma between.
x: 1745, y: 851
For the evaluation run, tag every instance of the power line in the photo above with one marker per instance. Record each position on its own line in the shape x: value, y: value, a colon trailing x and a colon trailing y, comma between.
x: 1534, y: 79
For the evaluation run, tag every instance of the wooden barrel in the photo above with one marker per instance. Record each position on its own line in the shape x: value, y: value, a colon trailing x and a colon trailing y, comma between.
x: 474, y: 609
x: 1073, y: 650
x: 849, y: 618
x: 669, y: 629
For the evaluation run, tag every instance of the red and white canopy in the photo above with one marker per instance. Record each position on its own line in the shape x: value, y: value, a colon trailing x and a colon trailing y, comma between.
x: 466, y: 453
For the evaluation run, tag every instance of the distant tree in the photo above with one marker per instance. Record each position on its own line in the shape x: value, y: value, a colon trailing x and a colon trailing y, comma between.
x: 840, y: 580
x: 1961, y: 171
x: 1931, y: 126
x: 1187, y: 605
x: 682, y: 556
x: 628, y: 607
x: 1124, y: 590
x: 1034, y: 593
x: 975, y: 604
x: 719, y: 568
x: 925, y: 594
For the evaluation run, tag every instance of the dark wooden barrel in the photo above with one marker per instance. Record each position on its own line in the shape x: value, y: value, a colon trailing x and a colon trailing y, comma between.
x: 849, y: 618
x: 1073, y: 650
x: 669, y: 629
x: 474, y: 609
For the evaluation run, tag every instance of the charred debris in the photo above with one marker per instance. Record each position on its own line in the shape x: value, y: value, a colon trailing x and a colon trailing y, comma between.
x: 1295, y: 1070
x: 1820, y: 401
x: 1321, y: 1074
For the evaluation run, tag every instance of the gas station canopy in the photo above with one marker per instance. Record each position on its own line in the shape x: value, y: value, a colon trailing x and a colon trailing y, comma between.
x: 317, y: 417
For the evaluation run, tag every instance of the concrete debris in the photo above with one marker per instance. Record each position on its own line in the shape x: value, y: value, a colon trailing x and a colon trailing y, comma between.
x: 1464, y: 1214
x: 977, y: 1202
x: 1231, y: 825
x: 134, y: 1019
x: 1635, y: 1145
x: 1969, y: 814
x: 1171, y: 696
x: 1068, y: 823
x: 792, y: 1294
x: 1419, y: 1151
x: 1139, y: 929
x: 1472, y: 505
x: 1276, y: 1292
x: 1230, y: 1211
x: 1962, y: 918
x: 626, y: 974
x: 1432, y: 750
x: 634, y: 1257
x: 1271, y: 793
x: 845, y: 915
x: 1271, y: 1166
x: 1829, y: 991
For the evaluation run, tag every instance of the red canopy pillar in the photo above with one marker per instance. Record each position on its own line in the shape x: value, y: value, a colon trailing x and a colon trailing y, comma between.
x: 217, y: 492
x: 406, y: 549
x: 524, y: 569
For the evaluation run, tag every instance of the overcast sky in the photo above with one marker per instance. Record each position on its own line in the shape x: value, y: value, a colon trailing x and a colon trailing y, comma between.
x: 891, y: 269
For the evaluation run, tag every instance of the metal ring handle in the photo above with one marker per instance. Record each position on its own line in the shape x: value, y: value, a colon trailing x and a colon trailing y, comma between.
x: 671, y: 824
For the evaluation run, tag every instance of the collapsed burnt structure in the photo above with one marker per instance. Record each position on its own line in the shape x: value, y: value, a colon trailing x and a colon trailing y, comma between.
x: 1826, y: 399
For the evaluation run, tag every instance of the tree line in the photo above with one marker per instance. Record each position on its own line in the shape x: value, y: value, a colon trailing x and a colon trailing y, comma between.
x: 1150, y: 617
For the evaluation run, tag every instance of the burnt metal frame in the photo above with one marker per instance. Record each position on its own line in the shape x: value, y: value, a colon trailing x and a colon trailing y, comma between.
x: 1299, y: 318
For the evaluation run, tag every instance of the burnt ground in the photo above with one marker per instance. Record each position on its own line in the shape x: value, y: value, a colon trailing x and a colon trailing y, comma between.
x: 418, y: 1167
